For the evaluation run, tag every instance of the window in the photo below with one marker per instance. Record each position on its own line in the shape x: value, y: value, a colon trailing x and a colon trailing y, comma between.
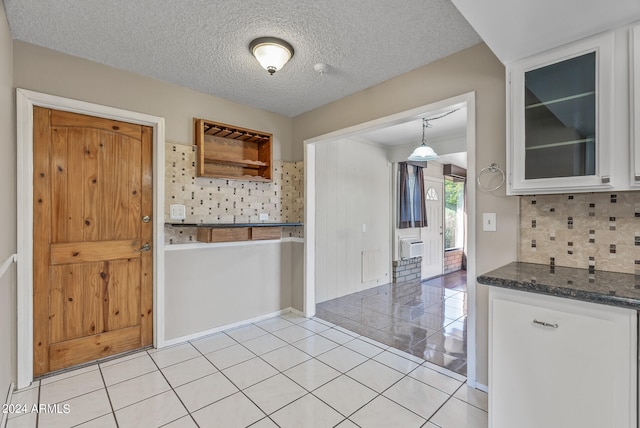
x: 432, y: 194
x: 453, y: 214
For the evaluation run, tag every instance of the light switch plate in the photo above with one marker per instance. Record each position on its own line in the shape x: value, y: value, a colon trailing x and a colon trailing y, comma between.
x: 177, y: 212
x: 264, y: 216
x: 489, y: 222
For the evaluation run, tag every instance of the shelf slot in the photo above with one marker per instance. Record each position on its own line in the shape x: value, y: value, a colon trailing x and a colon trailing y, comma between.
x: 237, y: 162
x: 560, y: 100
x: 243, y: 178
x: 211, y: 130
x: 562, y: 143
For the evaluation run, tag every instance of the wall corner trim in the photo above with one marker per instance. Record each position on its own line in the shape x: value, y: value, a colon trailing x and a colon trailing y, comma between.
x: 13, y: 258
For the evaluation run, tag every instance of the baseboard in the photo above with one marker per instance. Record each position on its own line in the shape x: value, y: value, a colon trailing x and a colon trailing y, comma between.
x: 295, y: 311
x: 5, y: 416
x: 214, y: 330
x: 293, y: 239
x: 483, y: 388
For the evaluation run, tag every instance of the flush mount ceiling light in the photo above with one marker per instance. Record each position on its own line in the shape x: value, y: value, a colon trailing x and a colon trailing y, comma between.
x: 272, y: 53
x: 423, y: 152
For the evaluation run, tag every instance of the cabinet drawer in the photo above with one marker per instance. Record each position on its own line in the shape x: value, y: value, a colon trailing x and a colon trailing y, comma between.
x: 208, y: 234
x: 260, y: 233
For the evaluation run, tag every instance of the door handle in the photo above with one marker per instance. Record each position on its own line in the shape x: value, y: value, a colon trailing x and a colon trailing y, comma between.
x: 546, y: 324
x: 146, y: 219
x: 144, y: 248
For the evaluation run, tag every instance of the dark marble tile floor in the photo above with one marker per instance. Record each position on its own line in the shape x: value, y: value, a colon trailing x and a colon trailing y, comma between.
x: 427, y: 319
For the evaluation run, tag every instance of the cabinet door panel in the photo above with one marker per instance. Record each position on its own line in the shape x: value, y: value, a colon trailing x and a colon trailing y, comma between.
x: 557, y: 362
x: 559, y: 119
x: 559, y: 386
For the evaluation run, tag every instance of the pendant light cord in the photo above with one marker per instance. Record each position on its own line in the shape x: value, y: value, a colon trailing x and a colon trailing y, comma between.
x: 426, y: 124
x: 426, y: 121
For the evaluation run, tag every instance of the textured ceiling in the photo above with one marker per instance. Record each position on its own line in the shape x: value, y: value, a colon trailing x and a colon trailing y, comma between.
x: 203, y: 44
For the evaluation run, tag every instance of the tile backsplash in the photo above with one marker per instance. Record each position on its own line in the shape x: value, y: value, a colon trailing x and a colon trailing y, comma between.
x: 597, y: 231
x: 217, y: 200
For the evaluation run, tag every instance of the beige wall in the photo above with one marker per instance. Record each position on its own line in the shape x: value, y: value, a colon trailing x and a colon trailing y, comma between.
x: 224, y: 297
x: 55, y: 73
x: 474, y: 69
x: 7, y: 210
x: 352, y: 189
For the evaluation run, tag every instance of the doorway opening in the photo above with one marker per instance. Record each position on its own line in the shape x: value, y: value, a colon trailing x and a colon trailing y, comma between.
x: 338, y: 234
x: 455, y: 214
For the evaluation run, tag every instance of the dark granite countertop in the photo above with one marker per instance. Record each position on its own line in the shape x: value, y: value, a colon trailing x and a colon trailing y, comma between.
x: 607, y: 288
x: 228, y: 225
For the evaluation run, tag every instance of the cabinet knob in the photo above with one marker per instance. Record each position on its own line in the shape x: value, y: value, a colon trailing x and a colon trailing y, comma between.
x: 146, y: 219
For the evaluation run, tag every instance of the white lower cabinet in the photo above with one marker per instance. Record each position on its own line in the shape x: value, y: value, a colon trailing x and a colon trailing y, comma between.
x: 556, y: 362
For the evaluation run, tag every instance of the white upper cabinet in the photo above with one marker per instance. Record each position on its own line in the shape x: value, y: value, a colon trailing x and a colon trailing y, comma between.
x: 635, y: 105
x: 560, y: 119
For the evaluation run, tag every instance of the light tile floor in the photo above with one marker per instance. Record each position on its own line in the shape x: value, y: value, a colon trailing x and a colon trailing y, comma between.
x: 287, y: 371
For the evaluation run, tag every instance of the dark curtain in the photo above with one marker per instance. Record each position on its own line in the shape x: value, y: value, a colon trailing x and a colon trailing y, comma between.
x: 413, y: 212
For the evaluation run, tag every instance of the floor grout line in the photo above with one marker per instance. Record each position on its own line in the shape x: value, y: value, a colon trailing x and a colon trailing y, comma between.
x: 174, y: 391
x: 106, y: 390
x: 368, y: 354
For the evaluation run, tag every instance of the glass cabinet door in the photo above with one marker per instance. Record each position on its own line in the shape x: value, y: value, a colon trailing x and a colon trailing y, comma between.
x: 560, y: 119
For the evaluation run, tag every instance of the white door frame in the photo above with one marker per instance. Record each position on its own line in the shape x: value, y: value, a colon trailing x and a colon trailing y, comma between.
x: 310, y: 216
x: 25, y: 101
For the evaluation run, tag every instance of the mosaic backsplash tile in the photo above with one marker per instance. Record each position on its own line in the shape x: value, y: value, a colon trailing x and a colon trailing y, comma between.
x: 216, y: 200
x: 596, y: 231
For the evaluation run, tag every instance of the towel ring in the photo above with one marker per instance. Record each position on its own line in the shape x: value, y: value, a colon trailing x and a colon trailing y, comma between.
x: 493, y: 168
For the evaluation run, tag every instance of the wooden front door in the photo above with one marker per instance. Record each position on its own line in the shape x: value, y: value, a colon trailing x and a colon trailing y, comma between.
x: 92, y: 229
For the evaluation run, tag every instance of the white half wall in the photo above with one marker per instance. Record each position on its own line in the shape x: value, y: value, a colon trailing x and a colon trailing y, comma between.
x: 353, y: 218
x: 213, y: 285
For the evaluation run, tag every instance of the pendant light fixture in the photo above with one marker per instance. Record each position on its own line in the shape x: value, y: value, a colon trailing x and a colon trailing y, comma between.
x: 423, y: 152
x: 272, y: 53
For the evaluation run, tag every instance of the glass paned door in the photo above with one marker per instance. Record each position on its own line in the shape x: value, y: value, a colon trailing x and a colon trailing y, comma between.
x: 560, y: 119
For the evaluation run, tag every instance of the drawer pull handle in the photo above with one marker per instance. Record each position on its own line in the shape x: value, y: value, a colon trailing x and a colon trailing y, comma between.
x: 545, y: 324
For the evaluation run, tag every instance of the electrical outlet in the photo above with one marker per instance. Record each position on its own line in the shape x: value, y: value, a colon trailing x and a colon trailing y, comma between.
x: 264, y: 216
x: 177, y: 212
